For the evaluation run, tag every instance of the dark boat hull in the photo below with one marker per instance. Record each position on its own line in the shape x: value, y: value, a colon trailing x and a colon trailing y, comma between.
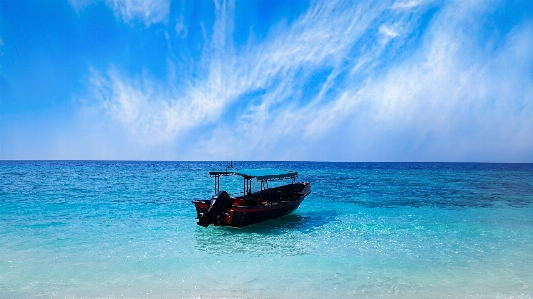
x: 243, y: 215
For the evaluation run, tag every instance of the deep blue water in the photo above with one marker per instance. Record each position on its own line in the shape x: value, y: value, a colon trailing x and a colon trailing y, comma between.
x: 387, y: 230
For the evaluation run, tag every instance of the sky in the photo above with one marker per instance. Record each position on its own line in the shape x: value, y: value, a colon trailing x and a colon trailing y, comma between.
x: 394, y: 81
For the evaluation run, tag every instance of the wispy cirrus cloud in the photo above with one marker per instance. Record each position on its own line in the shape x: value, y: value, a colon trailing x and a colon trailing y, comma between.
x: 388, y: 31
x: 406, y: 4
x: 270, y: 69
x: 147, y: 11
x: 181, y: 28
x: 344, y: 81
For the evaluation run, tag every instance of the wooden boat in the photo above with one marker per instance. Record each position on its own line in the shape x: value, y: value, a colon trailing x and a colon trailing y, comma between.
x: 251, y: 207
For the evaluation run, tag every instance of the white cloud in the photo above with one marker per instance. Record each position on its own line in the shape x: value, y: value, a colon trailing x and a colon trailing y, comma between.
x: 148, y: 11
x: 79, y: 5
x: 181, y: 28
x: 447, y: 98
x: 455, y: 98
x: 406, y: 4
x: 150, y: 111
x: 387, y: 31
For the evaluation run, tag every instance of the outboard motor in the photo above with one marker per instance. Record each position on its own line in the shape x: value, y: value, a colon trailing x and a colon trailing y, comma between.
x: 220, y: 204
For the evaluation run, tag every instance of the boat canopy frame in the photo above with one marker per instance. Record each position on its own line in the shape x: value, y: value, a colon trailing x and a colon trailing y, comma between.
x: 217, y: 175
x: 263, y: 175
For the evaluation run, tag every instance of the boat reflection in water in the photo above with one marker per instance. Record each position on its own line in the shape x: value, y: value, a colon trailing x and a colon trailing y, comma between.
x: 252, y: 207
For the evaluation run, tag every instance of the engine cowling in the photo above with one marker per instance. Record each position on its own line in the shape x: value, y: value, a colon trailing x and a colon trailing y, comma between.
x: 220, y: 204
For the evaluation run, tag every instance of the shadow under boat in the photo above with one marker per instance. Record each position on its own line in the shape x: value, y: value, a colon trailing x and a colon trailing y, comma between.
x: 286, y: 235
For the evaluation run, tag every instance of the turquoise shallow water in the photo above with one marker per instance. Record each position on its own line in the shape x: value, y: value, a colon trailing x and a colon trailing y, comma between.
x: 368, y: 230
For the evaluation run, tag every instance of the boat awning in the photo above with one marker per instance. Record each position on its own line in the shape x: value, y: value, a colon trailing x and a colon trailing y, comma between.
x: 266, y: 174
x: 221, y: 172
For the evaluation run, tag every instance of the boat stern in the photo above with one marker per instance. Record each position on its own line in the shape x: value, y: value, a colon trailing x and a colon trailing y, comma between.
x: 216, y: 211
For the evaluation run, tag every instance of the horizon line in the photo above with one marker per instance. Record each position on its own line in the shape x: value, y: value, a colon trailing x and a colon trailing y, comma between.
x: 260, y: 161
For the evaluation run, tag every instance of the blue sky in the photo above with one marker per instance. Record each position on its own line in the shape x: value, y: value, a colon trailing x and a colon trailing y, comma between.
x: 401, y: 80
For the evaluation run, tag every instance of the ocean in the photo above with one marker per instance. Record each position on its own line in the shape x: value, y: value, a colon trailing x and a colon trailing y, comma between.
x: 114, y: 229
